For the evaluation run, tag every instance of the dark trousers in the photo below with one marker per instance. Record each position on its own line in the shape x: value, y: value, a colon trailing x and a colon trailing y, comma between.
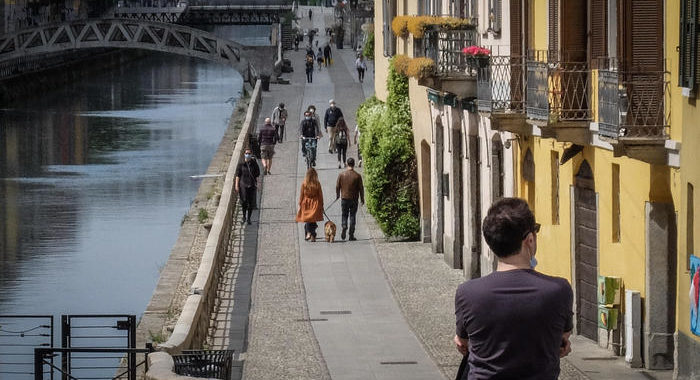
x: 310, y: 228
x: 280, y: 132
x: 342, y: 150
x: 248, y: 202
x: 349, y: 209
x: 309, y: 75
x: 361, y: 74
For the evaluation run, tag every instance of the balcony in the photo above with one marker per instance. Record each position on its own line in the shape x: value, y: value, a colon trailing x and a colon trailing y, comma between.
x: 501, y: 93
x: 632, y: 112
x: 452, y: 74
x: 557, y: 96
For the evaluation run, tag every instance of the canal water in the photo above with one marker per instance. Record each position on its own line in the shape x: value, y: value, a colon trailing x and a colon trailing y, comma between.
x: 95, y: 180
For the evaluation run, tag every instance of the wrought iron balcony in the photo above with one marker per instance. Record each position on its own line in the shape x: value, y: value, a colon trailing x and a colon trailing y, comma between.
x: 501, y: 85
x: 557, y: 89
x: 452, y: 72
x: 632, y: 105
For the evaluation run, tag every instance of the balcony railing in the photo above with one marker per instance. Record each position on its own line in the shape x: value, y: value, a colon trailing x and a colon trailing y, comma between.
x: 501, y: 85
x: 445, y: 48
x: 557, y: 88
x: 632, y: 104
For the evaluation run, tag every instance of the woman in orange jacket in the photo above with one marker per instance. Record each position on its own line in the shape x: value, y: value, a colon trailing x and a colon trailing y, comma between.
x: 310, y: 204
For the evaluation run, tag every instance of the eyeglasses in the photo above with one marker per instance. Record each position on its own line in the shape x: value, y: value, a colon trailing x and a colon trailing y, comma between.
x: 535, y: 229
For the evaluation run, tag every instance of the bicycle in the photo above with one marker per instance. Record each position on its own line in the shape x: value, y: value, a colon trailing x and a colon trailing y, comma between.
x: 310, y: 149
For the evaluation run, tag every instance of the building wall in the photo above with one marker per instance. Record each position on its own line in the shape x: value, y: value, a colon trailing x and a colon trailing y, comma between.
x: 381, y: 62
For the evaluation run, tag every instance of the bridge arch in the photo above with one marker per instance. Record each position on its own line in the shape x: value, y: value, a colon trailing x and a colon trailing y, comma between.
x: 125, y: 34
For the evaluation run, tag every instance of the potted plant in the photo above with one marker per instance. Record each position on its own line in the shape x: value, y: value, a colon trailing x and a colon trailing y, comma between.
x: 477, y: 56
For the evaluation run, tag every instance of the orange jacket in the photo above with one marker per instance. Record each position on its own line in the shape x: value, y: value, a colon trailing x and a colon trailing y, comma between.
x: 310, y: 205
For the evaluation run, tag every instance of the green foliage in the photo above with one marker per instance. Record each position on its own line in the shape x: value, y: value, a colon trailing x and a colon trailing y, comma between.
x: 203, y: 215
x: 386, y: 142
x: 368, y: 50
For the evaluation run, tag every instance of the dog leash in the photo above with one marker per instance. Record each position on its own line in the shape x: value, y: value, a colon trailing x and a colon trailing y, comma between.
x: 329, y: 206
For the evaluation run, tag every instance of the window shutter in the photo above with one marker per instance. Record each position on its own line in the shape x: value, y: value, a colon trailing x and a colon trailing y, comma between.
x: 647, y: 35
x: 516, y: 27
x: 688, y: 41
x: 553, y: 26
x: 599, y: 30
x: 574, y: 23
x: 498, y: 16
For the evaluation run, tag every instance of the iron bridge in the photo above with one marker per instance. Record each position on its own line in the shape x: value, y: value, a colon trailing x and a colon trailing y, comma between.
x: 121, y: 33
x: 236, y: 14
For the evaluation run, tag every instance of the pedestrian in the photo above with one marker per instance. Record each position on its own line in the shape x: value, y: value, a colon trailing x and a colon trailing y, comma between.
x: 267, y: 137
x: 331, y: 117
x: 309, y: 67
x: 247, y: 173
x: 356, y: 139
x: 514, y: 323
x: 279, y: 118
x: 296, y: 43
x: 361, y: 66
x: 349, y: 187
x: 341, y: 140
x: 310, y: 14
x: 309, y: 128
x: 310, y: 204
x: 327, y: 54
x: 319, y: 59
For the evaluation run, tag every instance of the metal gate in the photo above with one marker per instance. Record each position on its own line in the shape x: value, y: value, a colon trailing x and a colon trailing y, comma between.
x: 19, y: 335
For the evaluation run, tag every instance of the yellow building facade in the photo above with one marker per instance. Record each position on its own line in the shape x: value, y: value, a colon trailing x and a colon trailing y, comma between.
x: 585, y: 109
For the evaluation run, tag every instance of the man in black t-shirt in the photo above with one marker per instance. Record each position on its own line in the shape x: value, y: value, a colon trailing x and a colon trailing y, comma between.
x: 514, y: 323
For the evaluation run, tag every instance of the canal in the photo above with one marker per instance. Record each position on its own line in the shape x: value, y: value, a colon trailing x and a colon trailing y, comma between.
x: 95, y: 180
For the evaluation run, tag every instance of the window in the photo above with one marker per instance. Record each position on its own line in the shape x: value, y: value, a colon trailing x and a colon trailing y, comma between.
x: 687, y: 71
x: 495, y: 16
x: 389, y: 12
x: 616, y: 203
x: 690, y: 225
x: 555, y: 186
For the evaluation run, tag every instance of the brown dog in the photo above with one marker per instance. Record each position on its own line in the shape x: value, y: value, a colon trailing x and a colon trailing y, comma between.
x: 330, y: 228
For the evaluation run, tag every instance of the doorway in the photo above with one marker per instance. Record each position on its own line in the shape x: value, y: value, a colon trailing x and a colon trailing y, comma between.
x: 586, y: 252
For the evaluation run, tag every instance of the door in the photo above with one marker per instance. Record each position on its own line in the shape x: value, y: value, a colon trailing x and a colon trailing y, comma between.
x: 586, y: 253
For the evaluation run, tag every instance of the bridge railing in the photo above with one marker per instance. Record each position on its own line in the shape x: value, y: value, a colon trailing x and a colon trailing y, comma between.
x: 191, y: 328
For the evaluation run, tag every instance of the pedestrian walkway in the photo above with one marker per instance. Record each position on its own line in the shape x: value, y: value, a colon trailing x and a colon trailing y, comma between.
x: 369, y: 309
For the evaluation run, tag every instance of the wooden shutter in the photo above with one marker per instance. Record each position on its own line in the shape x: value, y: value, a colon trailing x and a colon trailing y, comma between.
x: 516, y: 27
x: 498, y: 16
x: 553, y: 26
x: 647, y: 35
x: 599, y: 30
x: 574, y: 27
x: 688, y: 44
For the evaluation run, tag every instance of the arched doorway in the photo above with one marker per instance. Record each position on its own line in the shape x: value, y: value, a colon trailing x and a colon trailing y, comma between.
x: 586, y: 252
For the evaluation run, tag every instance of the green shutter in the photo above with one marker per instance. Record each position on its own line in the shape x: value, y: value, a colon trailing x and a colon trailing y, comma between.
x: 689, y: 44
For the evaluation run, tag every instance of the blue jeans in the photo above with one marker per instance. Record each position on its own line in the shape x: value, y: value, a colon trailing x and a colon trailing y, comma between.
x: 349, y: 209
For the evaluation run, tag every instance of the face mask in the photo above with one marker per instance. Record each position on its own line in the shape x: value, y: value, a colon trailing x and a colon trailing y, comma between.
x: 332, y: 105
x: 248, y: 156
x: 308, y: 118
x: 533, y: 262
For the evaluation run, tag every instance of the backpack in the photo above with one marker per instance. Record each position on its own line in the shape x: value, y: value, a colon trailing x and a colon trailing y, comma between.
x: 342, y: 138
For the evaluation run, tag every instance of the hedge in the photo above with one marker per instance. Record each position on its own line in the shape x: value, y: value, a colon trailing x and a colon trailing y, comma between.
x: 388, y: 154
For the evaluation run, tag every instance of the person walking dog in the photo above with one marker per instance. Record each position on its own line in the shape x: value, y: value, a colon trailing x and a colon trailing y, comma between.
x: 331, y: 117
x: 267, y: 138
x: 349, y: 186
x: 310, y: 204
x: 514, y: 323
x: 247, y: 173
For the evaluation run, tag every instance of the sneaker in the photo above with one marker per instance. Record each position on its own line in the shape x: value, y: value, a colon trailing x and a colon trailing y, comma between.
x: 308, y: 236
x: 352, y: 238
x: 249, y: 222
x: 342, y: 234
x: 330, y: 151
x: 359, y: 163
x: 339, y: 165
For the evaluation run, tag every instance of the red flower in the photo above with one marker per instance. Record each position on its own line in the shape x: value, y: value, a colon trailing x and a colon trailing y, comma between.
x: 476, y: 51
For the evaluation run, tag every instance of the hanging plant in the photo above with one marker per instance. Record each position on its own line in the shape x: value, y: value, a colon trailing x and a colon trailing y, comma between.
x: 418, y: 25
x: 401, y: 63
x: 398, y: 26
x: 421, y: 68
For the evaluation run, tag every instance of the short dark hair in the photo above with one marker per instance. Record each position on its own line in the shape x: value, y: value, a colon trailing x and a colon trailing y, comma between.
x: 351, y: 162
x: 505, y: 224
x: 281, y: 105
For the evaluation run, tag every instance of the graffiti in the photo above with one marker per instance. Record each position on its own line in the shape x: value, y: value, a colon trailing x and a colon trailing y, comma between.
x: 694, y: 292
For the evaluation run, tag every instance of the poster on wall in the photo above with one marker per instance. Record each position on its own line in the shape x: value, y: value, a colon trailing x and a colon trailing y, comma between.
x: 694, y: 293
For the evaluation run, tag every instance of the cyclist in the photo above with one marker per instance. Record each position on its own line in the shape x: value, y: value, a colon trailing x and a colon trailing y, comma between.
x: 309, y: 129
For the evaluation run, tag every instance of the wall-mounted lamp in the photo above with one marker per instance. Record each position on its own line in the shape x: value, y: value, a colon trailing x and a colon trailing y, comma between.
x: 506, y: 144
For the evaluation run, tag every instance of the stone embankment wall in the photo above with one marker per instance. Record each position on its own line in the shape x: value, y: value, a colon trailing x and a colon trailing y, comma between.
x: 190, y: 330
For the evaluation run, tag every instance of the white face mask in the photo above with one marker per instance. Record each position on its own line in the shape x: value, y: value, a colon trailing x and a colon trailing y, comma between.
x: 308, y: 118
x: 248, y: 156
